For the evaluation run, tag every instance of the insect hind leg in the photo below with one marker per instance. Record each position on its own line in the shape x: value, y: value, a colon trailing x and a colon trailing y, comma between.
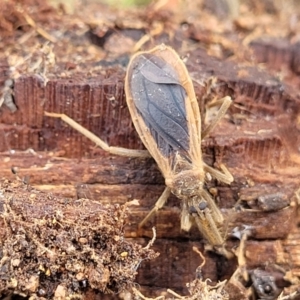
x: 112, y: 150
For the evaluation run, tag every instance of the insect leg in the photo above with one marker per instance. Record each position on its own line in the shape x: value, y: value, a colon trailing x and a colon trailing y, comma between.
x: 205, y: 219
x: 185, y: 221
x: 225, y: 177
x: 159, y: 204
x: 113, y: 150
x: 222, y: 111
x: 215, y: 211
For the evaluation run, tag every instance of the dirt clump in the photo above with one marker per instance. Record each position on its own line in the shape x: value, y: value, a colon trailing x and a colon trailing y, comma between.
x: 59, y: 248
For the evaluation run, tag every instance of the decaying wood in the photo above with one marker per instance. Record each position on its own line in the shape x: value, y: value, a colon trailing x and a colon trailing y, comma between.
x: 258, y: 140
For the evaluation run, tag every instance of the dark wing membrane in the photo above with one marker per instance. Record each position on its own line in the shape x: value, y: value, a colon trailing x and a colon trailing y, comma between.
x: 160, y: 100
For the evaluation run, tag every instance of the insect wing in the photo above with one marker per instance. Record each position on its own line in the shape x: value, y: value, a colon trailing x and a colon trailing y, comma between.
x: 163, y: 106
x: 159, y: 100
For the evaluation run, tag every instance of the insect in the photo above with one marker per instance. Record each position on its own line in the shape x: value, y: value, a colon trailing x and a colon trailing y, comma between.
x: 164, y: 110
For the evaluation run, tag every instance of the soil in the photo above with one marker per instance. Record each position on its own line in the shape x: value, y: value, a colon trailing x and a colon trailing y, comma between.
x: 59, y: 248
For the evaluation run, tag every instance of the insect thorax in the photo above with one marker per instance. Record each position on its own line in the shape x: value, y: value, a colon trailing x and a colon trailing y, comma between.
x: 186, y: 184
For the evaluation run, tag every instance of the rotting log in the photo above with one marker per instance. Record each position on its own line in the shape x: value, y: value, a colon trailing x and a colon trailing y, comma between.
x: 258, y: 141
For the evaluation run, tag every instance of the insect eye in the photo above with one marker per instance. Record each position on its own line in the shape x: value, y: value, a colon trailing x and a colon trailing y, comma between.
x: 202, y: 205
x: 192, y: 210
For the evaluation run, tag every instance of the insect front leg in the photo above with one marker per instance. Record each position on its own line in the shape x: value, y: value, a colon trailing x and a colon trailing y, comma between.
x: 158, y: 205
x: 209, y: 220
x: 112, y: 150
x: 186, y: 219
x: 204, y: 217
x: 214, y: 209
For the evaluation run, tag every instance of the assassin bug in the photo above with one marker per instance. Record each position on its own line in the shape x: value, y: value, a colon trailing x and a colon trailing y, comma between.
x: 165, y: 112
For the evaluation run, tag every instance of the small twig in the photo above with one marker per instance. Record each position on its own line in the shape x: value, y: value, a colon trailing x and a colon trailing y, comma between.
x: 288, y: 297
x: 195, y: 249
x: 139, y: 294
x: 40, y: 30
x: 175, y: 294
x: 151, y: 242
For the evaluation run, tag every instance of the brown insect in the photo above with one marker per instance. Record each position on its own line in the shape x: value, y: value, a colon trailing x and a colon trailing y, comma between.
x: 164, y: 109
